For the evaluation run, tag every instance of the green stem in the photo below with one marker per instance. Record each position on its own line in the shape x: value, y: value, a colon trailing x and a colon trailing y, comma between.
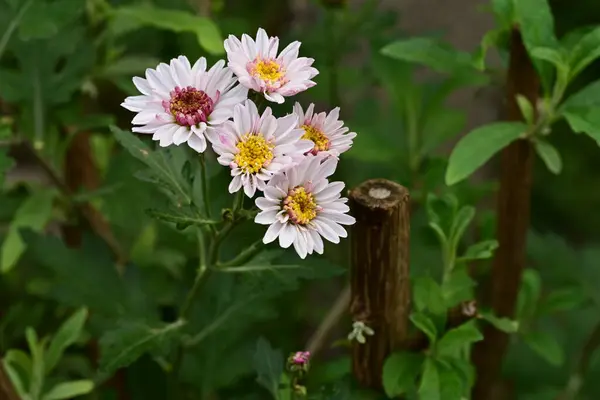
x: 14, y: 24
x: 202, y: 268
x: 246, y: 255
x: 206, y: 192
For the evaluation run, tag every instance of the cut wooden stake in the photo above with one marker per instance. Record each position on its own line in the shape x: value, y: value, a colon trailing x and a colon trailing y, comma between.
x: 379, y: 278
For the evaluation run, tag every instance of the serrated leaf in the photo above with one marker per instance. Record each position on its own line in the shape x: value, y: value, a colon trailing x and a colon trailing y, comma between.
x: 34, y: 213
x: 478, y: 146
x: 400, y: 372
x: 69, y: 390
x: 425, y: 324
x: 456, y: 338
x: 545, y: 346
x: 429, y: 387
x: 67, y: 334
x: 430, y: 52
x: 179, y: 218
x: 268, y: 364
x: 123, y: 346
x: 549, y: 155
x: 206, y: 31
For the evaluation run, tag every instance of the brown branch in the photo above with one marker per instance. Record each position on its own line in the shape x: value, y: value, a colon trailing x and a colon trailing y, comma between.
x: 317, y: 340
x: 380, y: 286
x: 7, y: 390
x: 513, y: 211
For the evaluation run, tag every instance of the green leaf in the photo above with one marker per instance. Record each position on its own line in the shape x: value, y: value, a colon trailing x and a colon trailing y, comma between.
x: 181, y: 220
x: 478, y: 146
x: 123, y: 346
x: 37, y: 363
x: 587, y: 97
x: 529, y: 294
x: 18, y: 358
x: 536, y: 22
x: 584, y: 120
x: 545, y: 346
x: 458, y: 287
x: 504, y: 12
x: 268, y: 364
x: 430, y: 52
x: 565, y: 299
x: 490, y: 39
x: 451, y: 384
x: 427, y: 295
x: 502, y: 324
x: 6, y: 163
x: 480, y: 251
x: 34, y: 213
x: 67, y: 334
x: 553, y: 56
x: 69, y: 390
x: 206, y: 31
x: 549, y: 155
x: 157, y: 161
x: 400, y: 372
x: 430, y: 382
x: 456, y: 338
x: 15, y: 379
x: 425, y: 324
x: 526, y: 108
x: 585, y: 52
x: 459, y: 225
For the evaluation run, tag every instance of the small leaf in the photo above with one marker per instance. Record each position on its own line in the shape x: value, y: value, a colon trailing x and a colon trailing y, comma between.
x: 451, y: 384
x: 529, y: 294
x: 400, y: 372
x: 15, y: 379
x: 268, y: 364
x: 551, y: 55
x: 587, y: 97
x: 66, y: 335
x: 584, y: 120
x: 585, y: 52
x: 503, y: 324
x: 123, y: 346
x: 458, y: 287
x: 456, y: 338
x: 549, y: 155
x: 459, y: 225
x: 425, y: 324
x: 6, y: 163
x: 427, y: 295
x: 34, y: 213
x: 430, y: 52
x: 480, y: 251
x: 207, y: 32
x: 36, y: 350
x: 69, y: 390
x: 478, y: 146
x: 504, y: 12
x: 430, y: 382
x: 182, y: 220
x: 526, y: 108
x: 545, y: 346
x: 565, y: 299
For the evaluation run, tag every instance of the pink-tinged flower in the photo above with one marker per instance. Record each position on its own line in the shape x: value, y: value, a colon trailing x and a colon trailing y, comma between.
x: 300, y: 206
x: 326, y: 131
x: 180, y: 103
x: 301, y: 357
x: 256, y: 147
x: 259, y: 68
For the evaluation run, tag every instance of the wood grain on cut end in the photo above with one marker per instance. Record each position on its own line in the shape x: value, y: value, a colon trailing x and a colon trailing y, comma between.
x: 380, y: 273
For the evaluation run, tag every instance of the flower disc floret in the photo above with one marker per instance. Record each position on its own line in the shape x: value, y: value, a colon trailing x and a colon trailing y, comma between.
x: 189, y: 105
x: 300, y: 206
x: 255, y: 153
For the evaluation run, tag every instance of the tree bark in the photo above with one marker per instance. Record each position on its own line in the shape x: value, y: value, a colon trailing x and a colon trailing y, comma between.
x: 513, y: 211
x: 380, y: 287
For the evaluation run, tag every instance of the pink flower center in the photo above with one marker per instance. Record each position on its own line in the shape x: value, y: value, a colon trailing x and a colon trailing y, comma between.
x: 189, y: 105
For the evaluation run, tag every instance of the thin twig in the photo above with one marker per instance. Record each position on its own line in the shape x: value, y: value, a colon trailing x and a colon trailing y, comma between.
x: 339, y: 308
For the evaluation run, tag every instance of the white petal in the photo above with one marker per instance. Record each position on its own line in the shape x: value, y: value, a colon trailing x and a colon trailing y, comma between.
x: 272, y: 232
x: 287, y: 235
x: 197, y: 142
x: 266, y: 217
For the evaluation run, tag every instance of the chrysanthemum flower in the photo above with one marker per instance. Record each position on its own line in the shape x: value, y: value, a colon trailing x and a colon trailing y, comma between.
x: 301, y: 206
x: 326, y: 131
x: 259, y: 68
x: 256, y: 147
x: 179, y: 103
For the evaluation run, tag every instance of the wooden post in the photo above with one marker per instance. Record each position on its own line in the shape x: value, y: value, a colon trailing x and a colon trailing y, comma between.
x: 513, y: 209
x: 379, y: 278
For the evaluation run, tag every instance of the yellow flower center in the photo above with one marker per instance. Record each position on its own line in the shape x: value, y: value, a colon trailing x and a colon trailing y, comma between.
x: 268, y: 70
x: 300, y: 206
x: 254, y: 153
x: 317, y: 137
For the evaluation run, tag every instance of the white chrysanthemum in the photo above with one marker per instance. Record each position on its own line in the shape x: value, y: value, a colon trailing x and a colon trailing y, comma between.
x: 256, y: 147
x: 179, y: 103
x: 259, y: 68
x: 301, y: 206
x: 326, y: 131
